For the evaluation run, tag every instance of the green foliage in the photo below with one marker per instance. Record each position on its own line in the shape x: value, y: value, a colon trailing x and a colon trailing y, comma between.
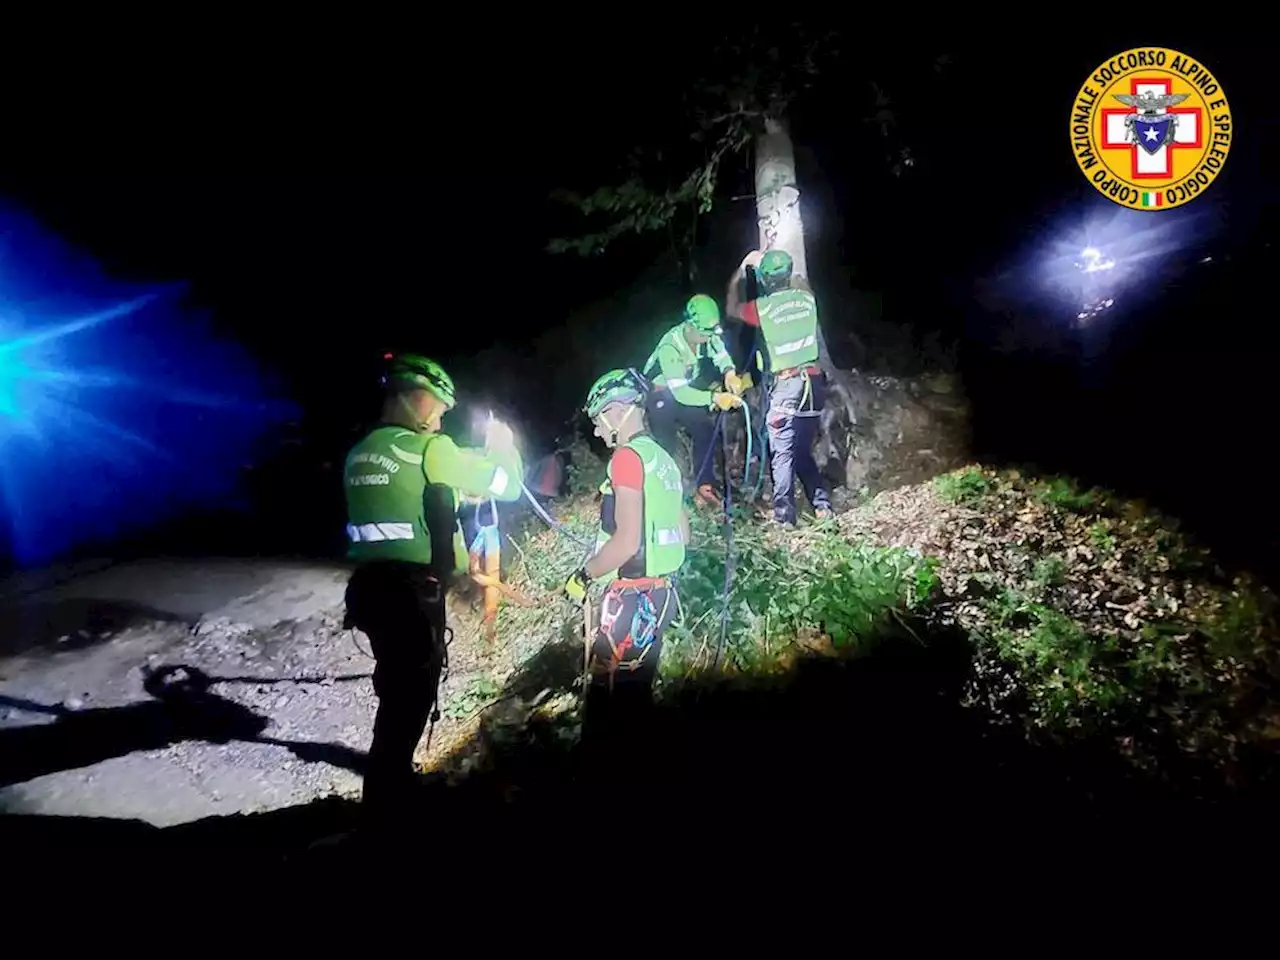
x: 475, y: 696
x: 1065, y: 494
x: 961, y: 485
x: 637, y: 207
x: 750, y: 76
x: 1176, y: 682
x: 816, y: 589
x: 1071, y: 680
x: 1081, y: 625
x: 1049, y: 571
x: 1101, y: 537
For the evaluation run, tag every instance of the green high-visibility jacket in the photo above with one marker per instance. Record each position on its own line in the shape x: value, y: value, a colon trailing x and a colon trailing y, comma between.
x: 402, y: 491
x: 674, y: 364
x: 661, y: 543
x: 789, y: 326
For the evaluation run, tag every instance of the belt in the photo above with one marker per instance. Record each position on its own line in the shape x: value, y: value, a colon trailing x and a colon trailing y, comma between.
x: 640, y: 583
x: 812, y: 371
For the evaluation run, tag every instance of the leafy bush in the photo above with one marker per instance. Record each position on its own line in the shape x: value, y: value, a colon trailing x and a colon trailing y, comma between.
x: 1066, y: 494
x: 813, y: 588
x: 961, y: 485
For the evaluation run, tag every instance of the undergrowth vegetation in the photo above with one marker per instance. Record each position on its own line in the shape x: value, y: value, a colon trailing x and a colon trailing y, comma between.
x: 1090, y: 619
x: 809, y: 590
x: 806, y: 590
x: 1092, y: 616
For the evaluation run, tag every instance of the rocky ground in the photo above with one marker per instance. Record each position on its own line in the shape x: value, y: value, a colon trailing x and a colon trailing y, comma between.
x: 292, y: 686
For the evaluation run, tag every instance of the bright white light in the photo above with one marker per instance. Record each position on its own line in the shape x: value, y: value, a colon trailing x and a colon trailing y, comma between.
x: 1105, y: 251
x: 1095, y: 260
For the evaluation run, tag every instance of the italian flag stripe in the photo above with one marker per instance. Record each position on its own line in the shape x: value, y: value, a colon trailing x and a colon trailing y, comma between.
x: 1152, y: 200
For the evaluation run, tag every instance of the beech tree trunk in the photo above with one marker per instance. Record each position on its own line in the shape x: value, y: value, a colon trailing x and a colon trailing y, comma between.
x: 782, y: 227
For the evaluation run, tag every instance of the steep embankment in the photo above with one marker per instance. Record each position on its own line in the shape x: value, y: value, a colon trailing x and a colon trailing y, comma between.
x: 1087, y: 620
x: 1091, y: 617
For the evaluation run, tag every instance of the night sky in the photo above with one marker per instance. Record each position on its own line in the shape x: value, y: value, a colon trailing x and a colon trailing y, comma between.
x: 381, y: 201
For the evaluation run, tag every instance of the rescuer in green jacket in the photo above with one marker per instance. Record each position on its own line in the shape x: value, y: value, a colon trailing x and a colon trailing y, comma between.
x: 641, y: 542
x: 675, y: 365
x: 786, y: 315
x: 402, y: 484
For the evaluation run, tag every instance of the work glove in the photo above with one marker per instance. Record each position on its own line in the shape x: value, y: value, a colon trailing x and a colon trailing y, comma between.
x: 575, y: 588
x: 733, y: 383
x: 744, y: 383
x: 725, y: 401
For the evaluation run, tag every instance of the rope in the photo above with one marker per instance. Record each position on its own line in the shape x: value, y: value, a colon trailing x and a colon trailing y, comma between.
x: 553, y: 523
x: 711, y: 449
x: 746, y: 468
x: 764, y: 420
x: 728, y: 553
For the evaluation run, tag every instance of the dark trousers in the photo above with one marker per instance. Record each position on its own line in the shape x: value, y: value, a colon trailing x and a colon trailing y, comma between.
x: 401, y: 609
x: 665, y: 415
x: 618, y: 713
x: 794, y: 407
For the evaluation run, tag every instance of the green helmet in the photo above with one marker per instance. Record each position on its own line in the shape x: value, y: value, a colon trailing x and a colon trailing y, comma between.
x: 616, y: 386
x: 417, y: 371
x: 703, y: 313
x: 775, y: 269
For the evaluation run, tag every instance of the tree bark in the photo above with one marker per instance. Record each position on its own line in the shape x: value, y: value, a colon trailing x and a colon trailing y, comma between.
x: 781, y: 227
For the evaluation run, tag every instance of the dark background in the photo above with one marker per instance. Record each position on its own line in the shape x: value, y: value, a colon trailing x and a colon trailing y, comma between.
x: 399, y: 199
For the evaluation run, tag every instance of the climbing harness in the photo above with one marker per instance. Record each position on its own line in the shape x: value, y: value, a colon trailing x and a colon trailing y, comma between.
x: 642, y: 630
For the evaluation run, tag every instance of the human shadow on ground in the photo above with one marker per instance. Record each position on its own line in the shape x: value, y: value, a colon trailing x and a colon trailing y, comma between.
x: 834, y: 759
x: 182, y: 708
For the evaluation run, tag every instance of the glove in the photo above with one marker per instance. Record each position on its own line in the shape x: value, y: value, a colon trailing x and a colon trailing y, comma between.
x: 744, y: 383
x: 733, y: 383
x: 725, y: 401
x: 575, y: 588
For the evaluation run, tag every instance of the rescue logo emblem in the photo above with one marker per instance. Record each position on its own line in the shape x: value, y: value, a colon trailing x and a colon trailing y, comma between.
x: 1151, y: 128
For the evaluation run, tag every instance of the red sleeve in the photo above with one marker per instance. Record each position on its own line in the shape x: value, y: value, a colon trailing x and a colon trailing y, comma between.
x: 750, y: 315
x: 626, y: 470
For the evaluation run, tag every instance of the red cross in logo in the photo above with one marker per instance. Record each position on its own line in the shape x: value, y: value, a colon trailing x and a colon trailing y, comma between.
x: 1158, y: 165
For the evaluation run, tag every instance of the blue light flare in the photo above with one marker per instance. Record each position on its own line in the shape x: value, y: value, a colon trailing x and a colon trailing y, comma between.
x: 119, y: 408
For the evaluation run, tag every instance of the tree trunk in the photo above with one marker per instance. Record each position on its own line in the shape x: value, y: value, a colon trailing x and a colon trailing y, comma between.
x: 781, y: 227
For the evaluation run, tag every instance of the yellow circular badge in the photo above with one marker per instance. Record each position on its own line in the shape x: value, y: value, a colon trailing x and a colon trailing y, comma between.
x: 1151, y: 128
